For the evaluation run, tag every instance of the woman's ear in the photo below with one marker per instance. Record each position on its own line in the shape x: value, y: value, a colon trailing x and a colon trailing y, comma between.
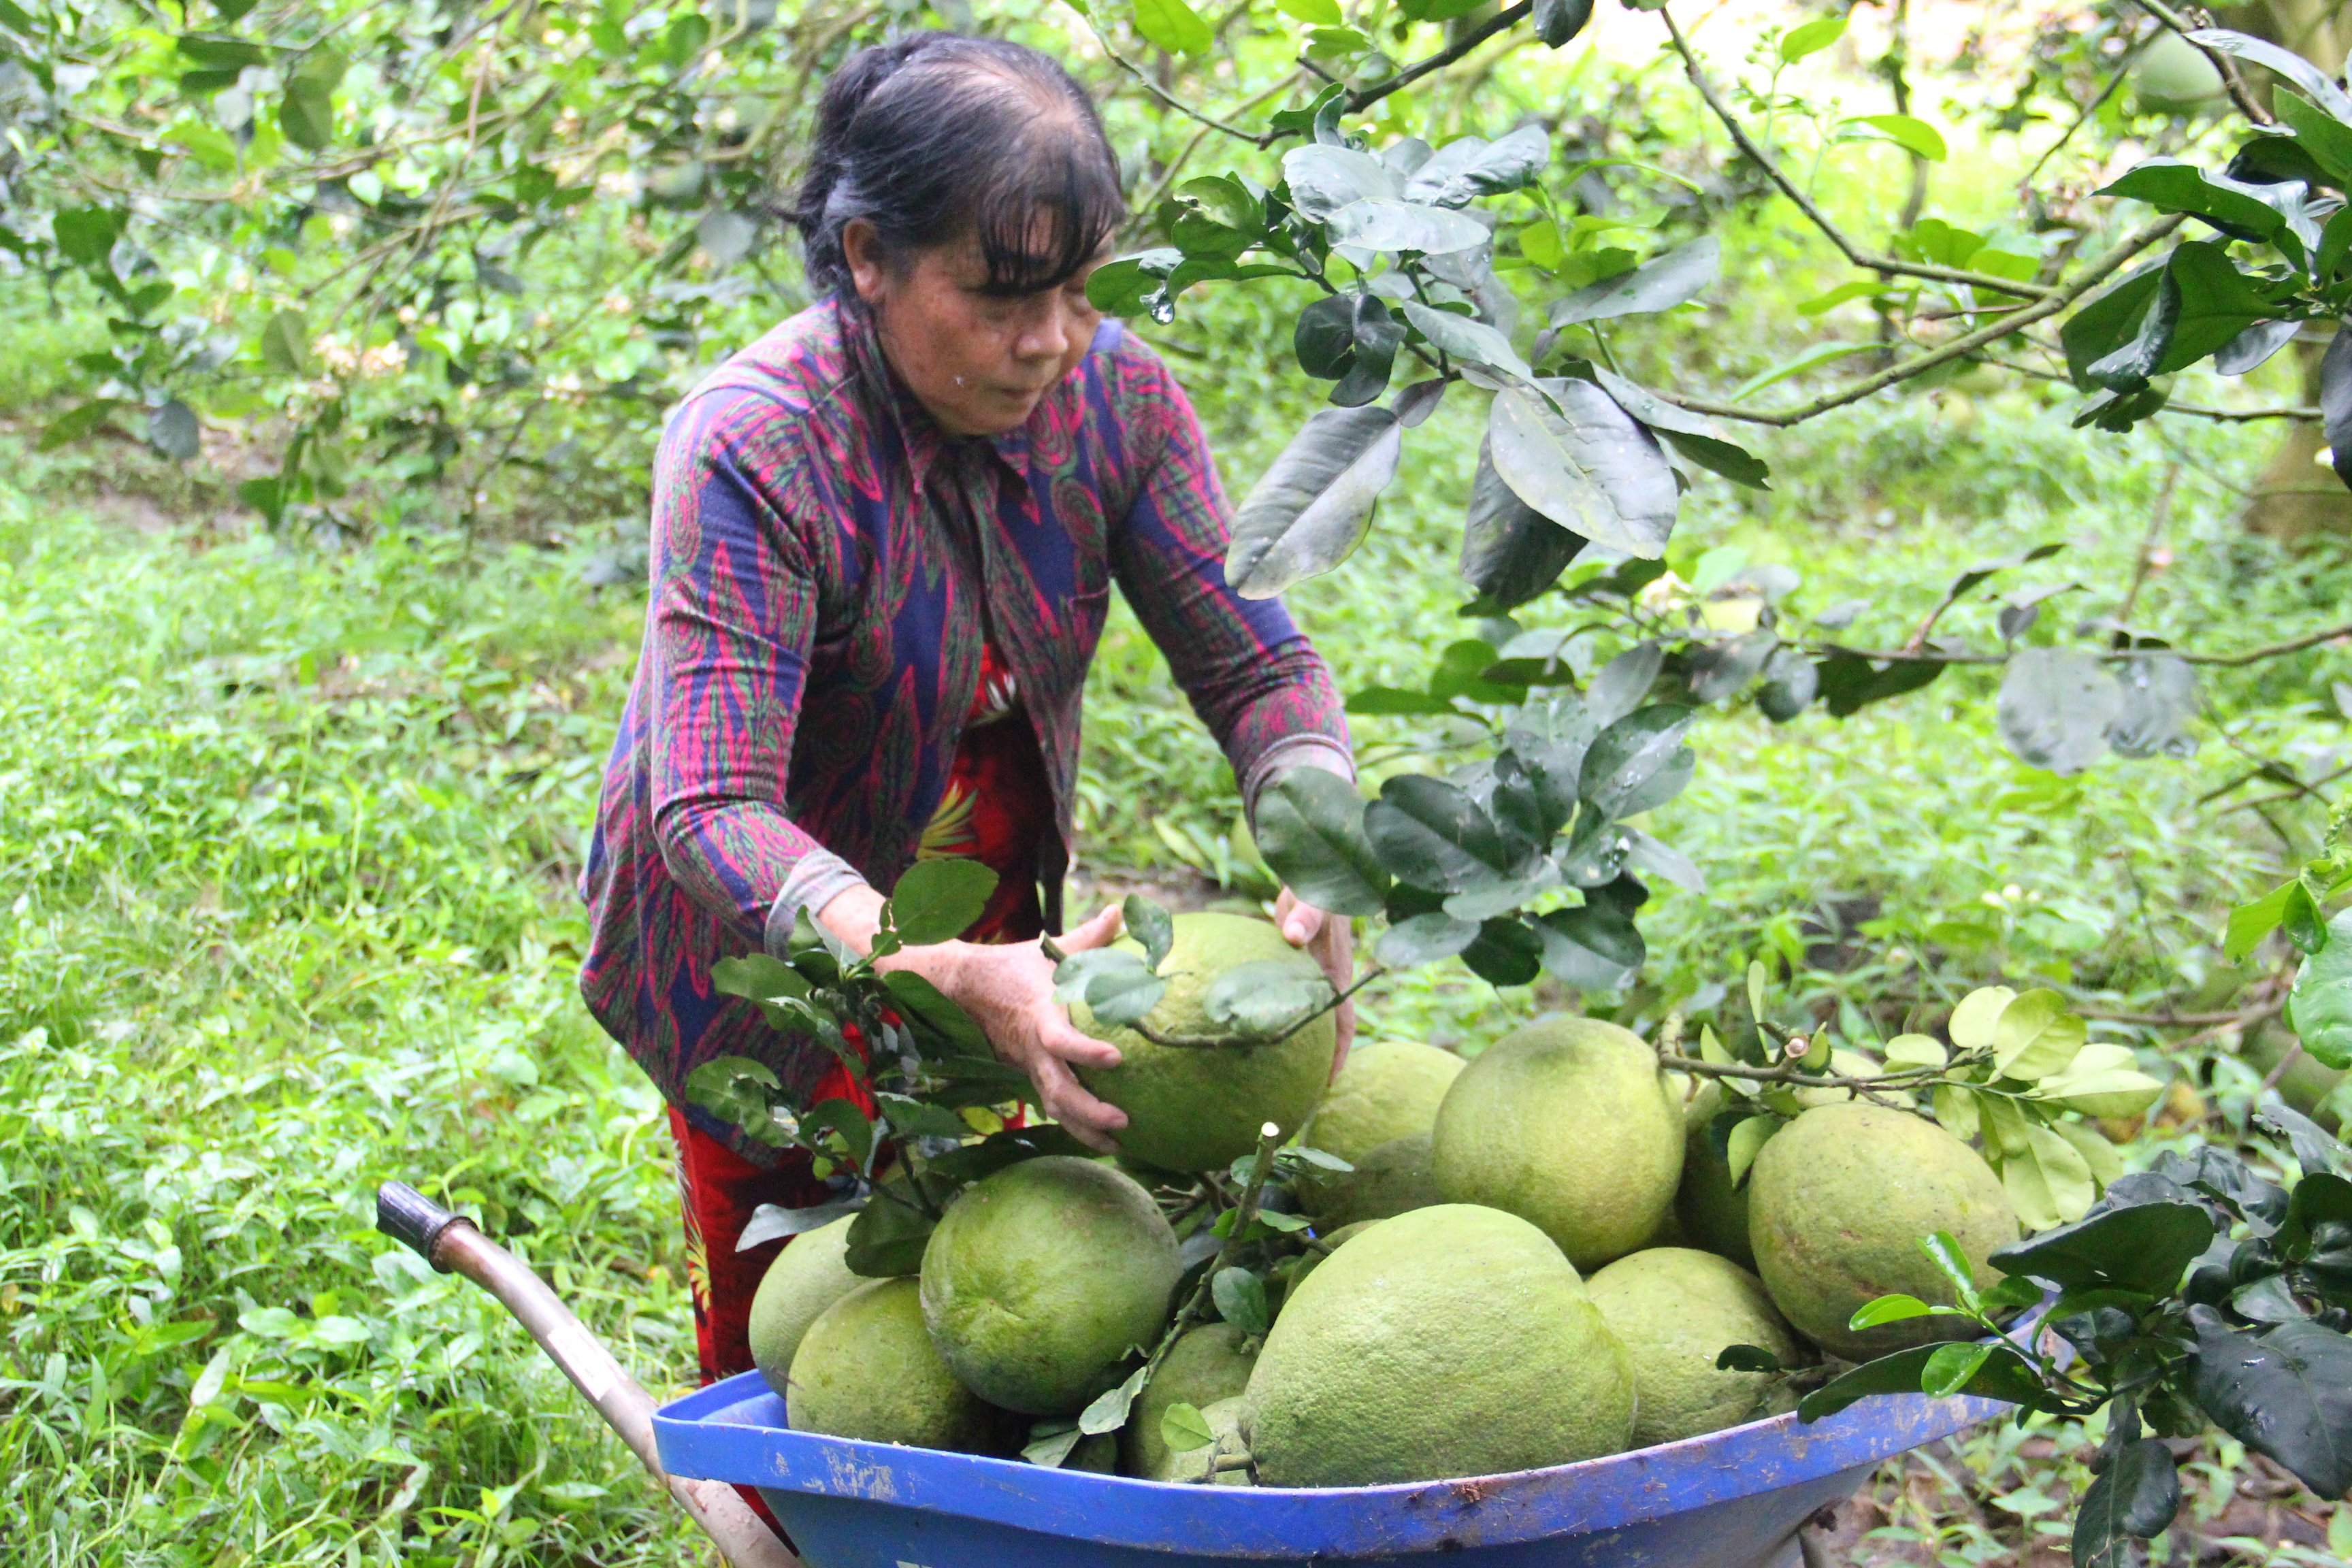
x: 861, y: 246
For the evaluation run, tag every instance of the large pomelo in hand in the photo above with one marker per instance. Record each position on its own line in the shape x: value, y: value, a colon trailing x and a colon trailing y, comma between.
x: 1676, y: 1310
x: 1452, y: 1341
x: 867, y: 1369
x: 1042, y: 1279
x: 1838, y: 1203
x: 1568, y: 1123
x: 808, y: 1276
x: 1206, y: 1364
x: 1198, y: 1105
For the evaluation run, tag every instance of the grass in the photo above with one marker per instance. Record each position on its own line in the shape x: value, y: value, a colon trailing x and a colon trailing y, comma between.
x: 289, y: 831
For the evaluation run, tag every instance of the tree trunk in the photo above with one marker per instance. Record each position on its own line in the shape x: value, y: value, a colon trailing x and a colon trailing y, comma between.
x: 2297, y: 496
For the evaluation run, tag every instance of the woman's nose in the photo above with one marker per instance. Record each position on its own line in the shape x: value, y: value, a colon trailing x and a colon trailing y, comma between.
x: 1046, y: 330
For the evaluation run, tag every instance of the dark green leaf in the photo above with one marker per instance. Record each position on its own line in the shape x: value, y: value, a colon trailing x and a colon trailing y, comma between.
x: 888, y: 1238
x: 286, y: 343
x: 1240, y: 1298
x: 1121, y: 287
x: 2133, y: 1498
x: 1629, y: 754
x: 757, y: 977
x: 999, y: 1149
x: 2320, y: 1009
x: 1951, y: 1369
x: 1306, y: 513
x: 307, y: 115
x: 1790, y: 684
x: 1510, y: 551
x: 2301, y: 920
x: 218, y: 54
x: 1264, y: 998
x: 2107, y: 323
x: 1594, y: 947
x: 910, y: 1118
x: 1150, y: 925
x: 1746, y: 1358
x: 2286, y: 1393
x: 2240, y: 210
x: 1394, y: 701
x: 937, y: 901
x: 2057, y: 705
x: 1721, y: 669
x: 1896, y: 1374
x: 1505, y: 951
x: 76, y: 423
x: 2327, y: 139
x: 1464, y: 338
x: 2142, y: 1248
x: 1585, y: 463
x: 741, y: 1092
x: 1464, y: 170
x: 2315, y: 82
x: 1310, y: 831
x: 1659, y: 285
x: 920, y: 999
x: 1324, y: 337
x: 1111, y: 983
x: 87, y: 233
x: 1434, y: 835
x: 1424, y: 939
x: 2218, y: 302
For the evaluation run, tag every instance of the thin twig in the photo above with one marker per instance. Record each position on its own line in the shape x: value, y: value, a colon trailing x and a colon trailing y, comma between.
x: 1812, y: 212
x: 1958, y: 348
x: 2223, y: 62
x: 2158, y: 517
x: 2090, y: 109
x: 1364, y: 97
x: 1151, y: 85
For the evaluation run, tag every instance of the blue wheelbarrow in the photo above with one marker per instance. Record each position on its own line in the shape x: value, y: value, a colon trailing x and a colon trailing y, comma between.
x: 1734, y: 1499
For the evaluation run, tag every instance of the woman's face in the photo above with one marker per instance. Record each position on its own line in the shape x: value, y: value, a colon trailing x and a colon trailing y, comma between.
x: 978, y: 362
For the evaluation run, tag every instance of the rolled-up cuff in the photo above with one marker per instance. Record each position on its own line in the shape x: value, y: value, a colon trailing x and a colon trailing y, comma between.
x: 1290, y: 752
x: 817, y: 878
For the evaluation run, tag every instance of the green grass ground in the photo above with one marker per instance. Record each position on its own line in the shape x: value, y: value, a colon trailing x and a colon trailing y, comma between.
x: 288, y: 831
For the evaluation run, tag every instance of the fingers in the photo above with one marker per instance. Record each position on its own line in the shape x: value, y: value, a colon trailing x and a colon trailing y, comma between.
x: 1061, y: 1038
x: 1085, y: 1118
x: 1299, y: 922
x: 1100, y: 931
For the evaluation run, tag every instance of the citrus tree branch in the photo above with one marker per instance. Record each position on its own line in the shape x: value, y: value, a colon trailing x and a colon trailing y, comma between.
x: 1509, y: 17
x: 2228, y: 67
x: 1991, y: 332
x: 1806, y: 205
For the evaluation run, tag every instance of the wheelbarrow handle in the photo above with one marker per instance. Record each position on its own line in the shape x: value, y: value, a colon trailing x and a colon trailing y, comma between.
x: 451, y: 1244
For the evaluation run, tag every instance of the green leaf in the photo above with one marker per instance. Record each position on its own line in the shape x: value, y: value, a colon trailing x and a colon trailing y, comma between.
x: 2319, y: 1009
x: 2036, y: 1037
x: 1746, y: 1358
x: 1310, y: 831
x: 2104, y: 1079
x: 1951, y: 1369
x: 2135, y: 1495
x: 1863, y: 288
x: 1510, y: 551
x: 1634, y: 759
x: 937, y: 901
x: 1240, y: 1298
x: 1944, y: 1251
x: 2141, y: 1247
x: 1470, y: 166
x: 757, y: 977
x: 1661, y: 284
x: 286, y: 343
x: 1150, y: 925
x: 1747, y: 1140
x: 888, y: 1238
x: 1912, y: 135
x: 86, y: 234
x: 1264, y: 998
x: 1431, y: 834
x: 926, y: 1003
x: 2326, y: 138
x: 1896, y: 1374
x: 1323, y: 179
x: 1108, y: 1410
x: 76, y: 423
x: 1424, y: 939
x: 1310, y: 510
x: 1578, y: 458
x: 1975, y: 1023
x: 307, y: 114
x: 1181, y: 1425
x: 1050, y: 1442
x: 2249, y: 922
x: 1887, y: 1310
x: 1505, y: 951
x: 1811, y: 38
x: 2315, y: 82
x: 2107, y: 323
x: 2048, y: 1181
x: 1465, y: 339
x: 1811, y: 358
x: 2286, y: 1393
x: 2057, y: 708
x: 1111, y: 984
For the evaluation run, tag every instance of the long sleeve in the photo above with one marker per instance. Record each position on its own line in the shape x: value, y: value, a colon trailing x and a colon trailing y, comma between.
x: 733, y: 615
x: 1252, y: 677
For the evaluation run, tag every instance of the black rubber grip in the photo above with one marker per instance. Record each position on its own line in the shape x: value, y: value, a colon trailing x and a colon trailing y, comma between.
x: 410, y: 1217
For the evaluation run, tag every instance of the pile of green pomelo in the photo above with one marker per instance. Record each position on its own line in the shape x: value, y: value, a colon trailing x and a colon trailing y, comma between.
x: 1537, y: 1257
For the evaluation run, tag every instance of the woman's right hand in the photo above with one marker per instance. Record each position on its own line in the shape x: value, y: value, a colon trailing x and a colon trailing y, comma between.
x: 1008, y: 989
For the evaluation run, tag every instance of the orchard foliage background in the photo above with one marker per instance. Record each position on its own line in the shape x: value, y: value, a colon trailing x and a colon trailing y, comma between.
x: 336, y: 338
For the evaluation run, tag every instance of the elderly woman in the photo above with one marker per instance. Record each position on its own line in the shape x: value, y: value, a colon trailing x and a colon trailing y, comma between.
x: 884, y: 537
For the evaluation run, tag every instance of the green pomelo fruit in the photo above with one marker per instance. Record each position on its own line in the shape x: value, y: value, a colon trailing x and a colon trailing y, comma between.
x: 1195, y: 1107
x: 1043, y: 1278
x: 1568, y: 1123
x: 808, y: 1276
x: 1675, y: 1310
x: 1207, y: 1365
x: 1223, y: 1461
x: 1710, y: 1211
x: 1283, y: 1281
x: 867, y: 1369
x: 1395, y: 1178
x: 1387, y: 1089
x: 1849, y: 1064
x: 1837, y: 1205
x: 1452, y: 1341
x: 2172, y: 75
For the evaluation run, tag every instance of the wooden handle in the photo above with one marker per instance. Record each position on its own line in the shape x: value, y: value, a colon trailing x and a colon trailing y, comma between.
x: 451, y: 1244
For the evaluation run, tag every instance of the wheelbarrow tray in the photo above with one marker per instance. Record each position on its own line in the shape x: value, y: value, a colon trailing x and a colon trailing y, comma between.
x: 1729, y: 1500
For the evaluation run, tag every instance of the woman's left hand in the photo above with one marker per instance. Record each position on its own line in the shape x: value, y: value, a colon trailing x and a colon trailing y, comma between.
x: 1333, y: 942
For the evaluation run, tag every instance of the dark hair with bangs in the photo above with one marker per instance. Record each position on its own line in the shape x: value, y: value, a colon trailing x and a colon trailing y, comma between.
x: 935, y: 136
